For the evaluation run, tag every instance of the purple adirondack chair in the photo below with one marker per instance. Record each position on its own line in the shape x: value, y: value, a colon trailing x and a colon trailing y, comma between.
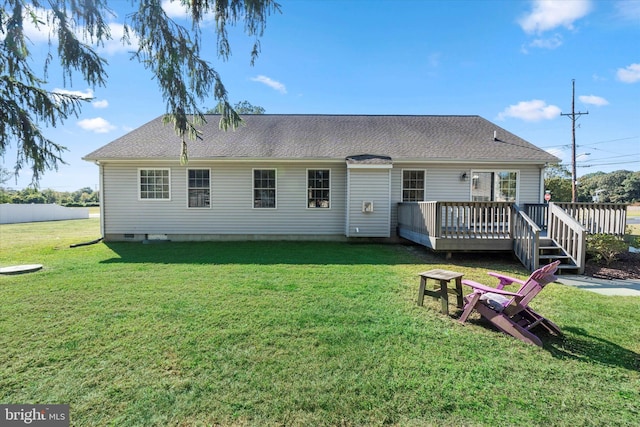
x: 510, y: 311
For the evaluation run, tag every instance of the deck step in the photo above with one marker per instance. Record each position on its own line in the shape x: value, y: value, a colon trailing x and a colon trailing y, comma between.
x: 567, y: 268
x: 549, y: 252
x: 554, y: 256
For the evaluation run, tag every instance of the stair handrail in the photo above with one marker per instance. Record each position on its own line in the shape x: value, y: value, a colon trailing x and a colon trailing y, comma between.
x: 526, y: 239
x: 568, y: 234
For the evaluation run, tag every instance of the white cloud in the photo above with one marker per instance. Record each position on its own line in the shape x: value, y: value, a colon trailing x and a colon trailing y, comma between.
x: 37, y: 33
x: 273, y: 84
x: 115, y: 44
x: 531, y: 111
x: 630, y: 74
x: 42, y: 32
x: 593, y: 100
x: 174, y: 9
x: 97, y: 125
x: 87, y: 94
x: 549, y: 14
x: 628, y: 10
x: 103, y: 103
x: 547, y: 43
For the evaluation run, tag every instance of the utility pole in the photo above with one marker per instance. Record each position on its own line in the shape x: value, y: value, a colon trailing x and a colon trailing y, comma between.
x: 574, y: 116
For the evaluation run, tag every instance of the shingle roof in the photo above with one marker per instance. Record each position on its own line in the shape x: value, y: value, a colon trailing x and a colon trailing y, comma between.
x: 268, y: 136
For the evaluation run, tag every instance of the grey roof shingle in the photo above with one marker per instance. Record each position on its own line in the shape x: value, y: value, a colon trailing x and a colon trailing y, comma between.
x: 287, y: 136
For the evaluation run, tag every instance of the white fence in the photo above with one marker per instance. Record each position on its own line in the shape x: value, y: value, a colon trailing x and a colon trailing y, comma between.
x: 11, y: 214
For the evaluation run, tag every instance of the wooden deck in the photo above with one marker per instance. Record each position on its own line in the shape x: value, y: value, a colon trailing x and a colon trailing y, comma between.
x: 501, y: 226
x: 457, y: 226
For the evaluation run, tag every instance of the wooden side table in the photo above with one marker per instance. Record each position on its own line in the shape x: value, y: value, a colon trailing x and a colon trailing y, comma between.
x: 442, y: 291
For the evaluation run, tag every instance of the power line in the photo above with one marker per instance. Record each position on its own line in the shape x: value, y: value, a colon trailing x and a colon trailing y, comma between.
x: 606, y: 142
x: 608, y: 164
x: 606, y: 158
x: 591, y: 144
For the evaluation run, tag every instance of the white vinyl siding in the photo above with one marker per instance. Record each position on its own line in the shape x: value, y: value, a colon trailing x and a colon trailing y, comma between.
x: 369, y: 185
x: 445, y: 183
x: 232, y: 194
x: 230, y: 212
x: 154, y: 184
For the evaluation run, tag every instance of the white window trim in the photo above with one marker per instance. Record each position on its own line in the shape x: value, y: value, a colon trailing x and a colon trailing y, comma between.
x: 253, y: 187
x: 424, y: 189
x: 495, y: 171
x: 139, y: 177
x: 306, y: 181
x: 188, y: 188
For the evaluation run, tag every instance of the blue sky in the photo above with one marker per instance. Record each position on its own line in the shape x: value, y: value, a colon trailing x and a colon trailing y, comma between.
x: 511, y: 62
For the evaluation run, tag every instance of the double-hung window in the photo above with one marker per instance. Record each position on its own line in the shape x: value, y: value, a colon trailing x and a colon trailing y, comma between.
x: 154, y: 184
x: 412, y: 185
x: 199, y: 188
x: 264, y: 188
x: 498, y: 186
x: 318, y: 188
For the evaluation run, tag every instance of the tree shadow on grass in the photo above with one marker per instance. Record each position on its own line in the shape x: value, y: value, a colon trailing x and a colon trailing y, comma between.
x: 577, y: 344
x: 259, y: 252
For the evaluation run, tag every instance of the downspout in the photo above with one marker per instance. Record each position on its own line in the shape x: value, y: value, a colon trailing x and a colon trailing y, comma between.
x: 389, y: 201
x: 101, y: 200
x: 101, y: 184
x: 348, y: 204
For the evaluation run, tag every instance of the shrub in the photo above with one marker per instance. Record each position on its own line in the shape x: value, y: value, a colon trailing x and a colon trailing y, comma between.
x: 630, y: 238
x: 605, y: 247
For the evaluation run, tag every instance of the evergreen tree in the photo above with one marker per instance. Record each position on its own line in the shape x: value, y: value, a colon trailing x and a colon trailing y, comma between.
x: 170, y: 51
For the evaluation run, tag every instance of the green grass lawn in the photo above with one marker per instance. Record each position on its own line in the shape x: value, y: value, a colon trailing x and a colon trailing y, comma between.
x: 296, y: 333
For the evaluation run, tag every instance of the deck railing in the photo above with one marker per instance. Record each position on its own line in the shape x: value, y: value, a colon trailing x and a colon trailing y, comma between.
x: 479, y: 220
x: 566, y: 223
x: 538, y: 213
x: 569, y: 234
x: 606, y: 218
x: 526, y: 239
x: 419, y: 217
x: 457, y: 220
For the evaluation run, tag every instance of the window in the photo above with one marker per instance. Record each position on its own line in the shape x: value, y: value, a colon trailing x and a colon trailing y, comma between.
x: 264, y: 188
x: 318, y: 188
x: 154, y: 184
x: 499, y: 186
x: 412, y: 186
x: 199, y: 188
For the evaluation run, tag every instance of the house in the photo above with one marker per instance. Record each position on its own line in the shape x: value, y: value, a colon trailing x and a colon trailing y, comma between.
x: 307, y: 176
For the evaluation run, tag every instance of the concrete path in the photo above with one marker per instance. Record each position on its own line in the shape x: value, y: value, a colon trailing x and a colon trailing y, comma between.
x: 630, y: 287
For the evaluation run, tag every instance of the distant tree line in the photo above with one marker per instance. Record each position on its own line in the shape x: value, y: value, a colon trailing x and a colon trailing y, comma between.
x: 621, y: 186
x: 83, y: 197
